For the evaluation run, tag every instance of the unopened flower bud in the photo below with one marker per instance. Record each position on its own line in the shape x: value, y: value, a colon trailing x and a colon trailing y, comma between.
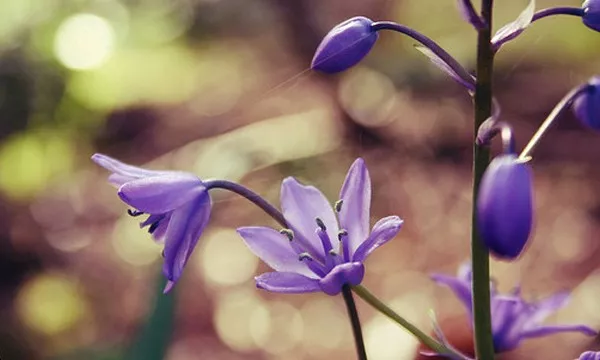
x: 345, y: 45
x: 591, y: 14
x: 504, y: 206
x: 587, y: 105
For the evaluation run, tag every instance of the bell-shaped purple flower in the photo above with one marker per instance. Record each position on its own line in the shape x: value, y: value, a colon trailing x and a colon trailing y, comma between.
x: 513, y: 318
x: 505, y: 206
x: 587, y: 105
x: 591, y: 14
x: 590, y: 355
x: 345, y: 45
x: 317, y: 253
x: 177, y: 204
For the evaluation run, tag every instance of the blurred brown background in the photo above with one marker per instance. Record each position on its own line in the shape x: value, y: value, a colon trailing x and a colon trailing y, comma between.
x: 221, y: 88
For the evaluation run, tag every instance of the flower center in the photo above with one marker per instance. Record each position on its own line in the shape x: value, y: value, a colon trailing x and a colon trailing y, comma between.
x: 153, y: 220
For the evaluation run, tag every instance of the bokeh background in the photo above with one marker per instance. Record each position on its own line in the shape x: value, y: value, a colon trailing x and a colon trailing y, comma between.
x: 222, y: 88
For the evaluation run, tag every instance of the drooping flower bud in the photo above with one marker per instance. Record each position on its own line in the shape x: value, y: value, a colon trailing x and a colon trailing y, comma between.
x: 505, y: 206
x: 587, y: 105
x: 591, y: 14
x: 345, y: 45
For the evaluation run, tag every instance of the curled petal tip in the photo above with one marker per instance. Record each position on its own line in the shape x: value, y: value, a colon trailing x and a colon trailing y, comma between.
x: 345, y: 45
x: 168, y: 287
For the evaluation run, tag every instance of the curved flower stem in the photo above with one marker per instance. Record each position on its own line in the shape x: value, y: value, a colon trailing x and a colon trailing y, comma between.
x: 427, y: 42
x: 372, y: 300
x: 355, y: 321
x: 558, y: 110
x: 562, y: 10
x: 250, y: 195
x: 573, y: 11
x: 484, y: 343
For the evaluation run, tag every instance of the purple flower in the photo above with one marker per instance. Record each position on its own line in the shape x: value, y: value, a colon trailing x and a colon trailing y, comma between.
x: 513, y: 318
x: 504, y: 206
x: 177, y: 203
x: 591, y: 14
x: 315, y: 253
x: 590, y: 355
x: 345, y: 45
x: 587, y: 105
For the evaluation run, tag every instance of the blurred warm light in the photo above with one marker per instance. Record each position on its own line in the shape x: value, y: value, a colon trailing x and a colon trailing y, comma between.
x: 585, y: 301
x: 285, y: 329
x: 134, y: 245
x: 84, y: 41
x: 50, y: 304
x: 569, y: 225
x: 225, y: 259
x: 386, y: 340
x: 69, y: 240
x: 224, y: 74
x: 368, y: 96
x: 290, y: 137
x: 30, y: 160
x: 242, y: 320
x: 325, y: 325
x: 158, y: 75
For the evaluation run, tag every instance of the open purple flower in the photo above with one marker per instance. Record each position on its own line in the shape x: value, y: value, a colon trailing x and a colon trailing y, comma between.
x: 513, y: 318
x: 177, y: 203
x: 315, y: 253
x: 590, y: 355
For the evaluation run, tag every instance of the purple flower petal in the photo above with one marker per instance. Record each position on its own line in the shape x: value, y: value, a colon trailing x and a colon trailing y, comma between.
x: 383, y: 231
x: 515, y: 28
x: 548, y: 306
x: 126, y: 171
x: 286, y: 282
x: 461, y: 289
x: 355, y: 212
x: 169, y: 286
x: 445, y: 67
x: 590, y: 355
x: 274, y: 249
x: 184, y: 230
x: 346, y: 273
x: 553, y: 329
x: 161, y: 194
x: 301, y: 206
x: 508, y: 318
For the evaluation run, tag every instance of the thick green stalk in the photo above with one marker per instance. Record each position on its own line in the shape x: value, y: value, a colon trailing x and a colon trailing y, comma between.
x: 484, y: 344
x: 355, y: 322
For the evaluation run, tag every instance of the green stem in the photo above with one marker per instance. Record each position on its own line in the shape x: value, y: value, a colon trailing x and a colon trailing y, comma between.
x: 355, y: 321
x: 484, y: 343
x: 372, y: 300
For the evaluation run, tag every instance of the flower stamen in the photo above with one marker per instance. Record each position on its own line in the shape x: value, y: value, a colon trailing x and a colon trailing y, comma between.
x: 320, y: 224
x: 305, y: 256
x: 287, y: 232
x: 338, y: 205
x: 134, y: 213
